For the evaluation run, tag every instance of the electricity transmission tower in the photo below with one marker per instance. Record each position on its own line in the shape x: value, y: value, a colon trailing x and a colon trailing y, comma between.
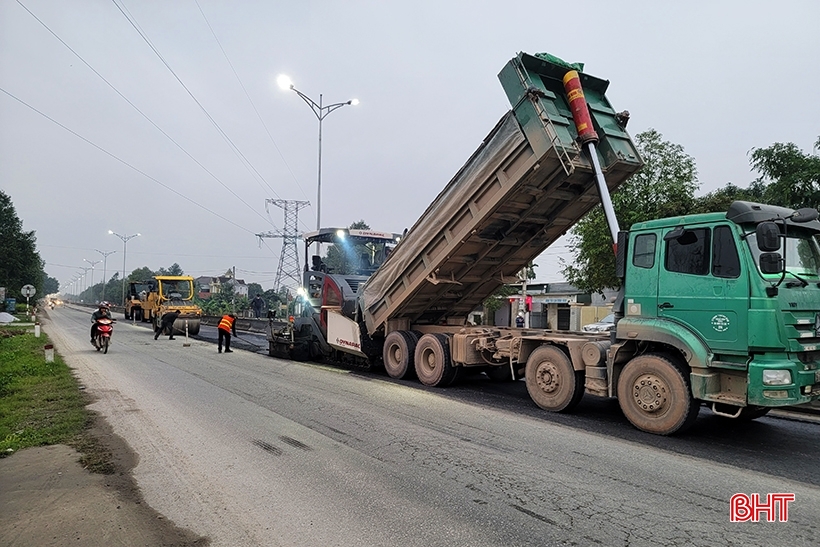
x: 289, y: 257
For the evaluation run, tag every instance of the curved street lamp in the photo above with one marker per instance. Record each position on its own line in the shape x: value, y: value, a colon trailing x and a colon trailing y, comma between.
x: 125, y: 240
x: 321, y: 111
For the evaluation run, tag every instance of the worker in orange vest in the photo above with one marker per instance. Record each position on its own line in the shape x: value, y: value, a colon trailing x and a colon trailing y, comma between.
x: 227, y: 326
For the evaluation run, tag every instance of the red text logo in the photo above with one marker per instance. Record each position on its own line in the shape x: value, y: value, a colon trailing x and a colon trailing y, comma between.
x: 743, y: 508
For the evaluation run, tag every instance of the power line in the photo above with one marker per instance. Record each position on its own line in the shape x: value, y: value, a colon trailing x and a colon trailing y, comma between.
x: 143, y: 173
x: 242, y: 85
x: 246, y: 162
x: 117, y: 91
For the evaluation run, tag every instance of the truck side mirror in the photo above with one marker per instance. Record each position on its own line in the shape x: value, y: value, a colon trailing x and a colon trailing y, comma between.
x: 768, y: 237
x: 771, y: 263
x: 682, y: 236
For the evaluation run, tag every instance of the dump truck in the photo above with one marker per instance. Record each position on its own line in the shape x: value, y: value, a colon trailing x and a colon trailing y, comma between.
x: 150, y: 299
x: 719, y: 309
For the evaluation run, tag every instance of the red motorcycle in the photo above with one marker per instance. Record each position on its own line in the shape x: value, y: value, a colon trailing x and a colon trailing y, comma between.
x: 105, y: 327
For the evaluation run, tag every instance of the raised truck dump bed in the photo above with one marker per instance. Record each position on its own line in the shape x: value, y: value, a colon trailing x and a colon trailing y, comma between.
x: 525, y: 186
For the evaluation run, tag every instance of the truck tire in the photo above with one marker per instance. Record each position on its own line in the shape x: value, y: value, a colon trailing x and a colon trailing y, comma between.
x: 655, y: 396
x: 552, y: 382
x: 399, y: 353
x: 137, y: 315
x: 432, y: 361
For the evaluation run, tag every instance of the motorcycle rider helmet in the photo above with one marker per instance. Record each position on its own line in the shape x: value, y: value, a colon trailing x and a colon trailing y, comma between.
x: 103, y: 305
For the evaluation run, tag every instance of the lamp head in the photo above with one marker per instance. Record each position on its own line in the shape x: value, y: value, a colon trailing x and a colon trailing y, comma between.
x: 353, y: 102
x: 284, y: 82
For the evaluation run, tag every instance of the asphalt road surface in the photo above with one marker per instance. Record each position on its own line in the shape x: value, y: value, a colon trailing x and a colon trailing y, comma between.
x: 250, y: 450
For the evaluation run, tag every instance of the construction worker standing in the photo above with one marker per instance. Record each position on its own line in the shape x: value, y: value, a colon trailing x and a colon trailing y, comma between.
x: 227, y: 326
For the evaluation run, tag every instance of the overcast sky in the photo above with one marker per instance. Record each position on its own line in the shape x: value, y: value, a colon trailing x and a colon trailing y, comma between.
x: 208, y: 138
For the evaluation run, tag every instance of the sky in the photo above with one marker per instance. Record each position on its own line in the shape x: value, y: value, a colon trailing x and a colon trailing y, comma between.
x: 163, y: 117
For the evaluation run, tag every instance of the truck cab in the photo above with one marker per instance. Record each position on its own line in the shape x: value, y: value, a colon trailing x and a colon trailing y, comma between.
x: 736, y: 296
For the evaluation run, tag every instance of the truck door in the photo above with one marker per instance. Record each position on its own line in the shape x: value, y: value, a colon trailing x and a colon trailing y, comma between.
x: 702, y: 285
x: 642, y: 276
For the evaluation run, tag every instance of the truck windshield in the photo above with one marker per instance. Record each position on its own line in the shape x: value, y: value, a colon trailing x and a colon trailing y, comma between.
x: 802, y: 252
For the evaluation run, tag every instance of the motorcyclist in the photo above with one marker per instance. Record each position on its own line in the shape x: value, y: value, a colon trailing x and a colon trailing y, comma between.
x: 101, y: 313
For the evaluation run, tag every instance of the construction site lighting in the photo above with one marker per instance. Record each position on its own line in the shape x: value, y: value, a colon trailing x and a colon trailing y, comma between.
x: 321, y: 111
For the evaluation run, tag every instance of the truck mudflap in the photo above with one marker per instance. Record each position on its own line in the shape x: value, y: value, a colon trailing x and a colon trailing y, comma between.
x: 694, y: 350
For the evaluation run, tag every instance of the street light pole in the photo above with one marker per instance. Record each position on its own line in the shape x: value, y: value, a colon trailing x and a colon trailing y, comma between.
x: 125, y: 240
x: 82, y: 278
x: 93, y: 263
x: 105, y: 263
x: 321, y: 111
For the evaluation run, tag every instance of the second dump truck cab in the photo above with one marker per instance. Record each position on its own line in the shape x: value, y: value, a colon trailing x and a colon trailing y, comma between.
x: 313, y: 333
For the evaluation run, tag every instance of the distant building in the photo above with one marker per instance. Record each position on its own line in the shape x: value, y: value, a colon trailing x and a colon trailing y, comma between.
x: 556, y: 306
x: 207, y: 286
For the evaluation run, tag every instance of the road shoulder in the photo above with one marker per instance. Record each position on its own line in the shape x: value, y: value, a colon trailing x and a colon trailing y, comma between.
x: 48, y: 499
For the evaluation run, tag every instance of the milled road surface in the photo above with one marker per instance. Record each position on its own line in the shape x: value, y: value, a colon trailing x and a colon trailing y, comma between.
x: 249, y: 450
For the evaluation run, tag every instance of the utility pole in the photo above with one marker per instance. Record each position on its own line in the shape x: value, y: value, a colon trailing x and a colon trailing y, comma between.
x: 289, y: 257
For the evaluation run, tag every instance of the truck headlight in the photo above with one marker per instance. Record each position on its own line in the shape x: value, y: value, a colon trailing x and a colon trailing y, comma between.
x: 776, y: 377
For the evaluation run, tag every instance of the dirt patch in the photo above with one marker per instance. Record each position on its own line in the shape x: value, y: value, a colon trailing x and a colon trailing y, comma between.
x: 81, y: 495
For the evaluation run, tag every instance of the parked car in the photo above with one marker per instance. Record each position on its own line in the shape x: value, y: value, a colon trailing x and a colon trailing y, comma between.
x: 604, y: 325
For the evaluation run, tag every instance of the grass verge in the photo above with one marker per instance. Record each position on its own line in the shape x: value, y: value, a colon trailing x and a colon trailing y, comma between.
x: 42, y: 403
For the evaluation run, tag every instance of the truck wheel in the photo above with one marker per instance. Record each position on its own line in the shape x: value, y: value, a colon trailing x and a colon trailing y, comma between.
x: 138, y: 315
x: 654, y: 394
x: 551, y: 381
x: 399, y: 352
x: 432, y: 360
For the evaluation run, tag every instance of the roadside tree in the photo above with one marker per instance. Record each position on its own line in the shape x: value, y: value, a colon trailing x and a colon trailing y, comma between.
x: 20, y: 263
x: 788, y: 176
x: 664, y: 187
